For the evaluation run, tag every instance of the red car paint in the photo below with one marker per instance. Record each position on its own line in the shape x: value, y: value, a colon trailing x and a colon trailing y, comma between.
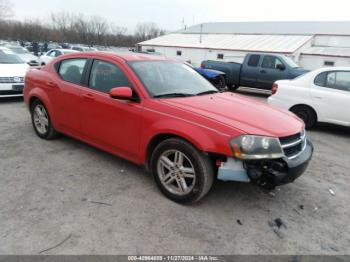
x: 126, y: 128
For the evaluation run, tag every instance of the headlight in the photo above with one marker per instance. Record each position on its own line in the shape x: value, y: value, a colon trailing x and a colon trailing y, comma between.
x: 249, y: 147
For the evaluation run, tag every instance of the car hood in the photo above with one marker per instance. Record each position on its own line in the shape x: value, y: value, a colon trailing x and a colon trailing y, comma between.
x: 228, y: 110
x: 28, y: 57
x: 11, y: 70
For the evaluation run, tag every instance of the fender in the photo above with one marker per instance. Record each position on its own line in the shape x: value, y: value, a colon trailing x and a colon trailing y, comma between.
x: 203, y: 138
x: 44, y: 98
x: 209, y: 73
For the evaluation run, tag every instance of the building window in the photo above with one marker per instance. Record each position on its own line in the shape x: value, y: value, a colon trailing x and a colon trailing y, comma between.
x: 151, y: 50
x: 220, y: 56
x: 328, y: 63
x: 179, y: 53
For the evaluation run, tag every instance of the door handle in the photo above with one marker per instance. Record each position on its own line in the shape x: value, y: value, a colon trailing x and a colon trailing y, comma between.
x: 318, y: 97
x: 263, y: 71
x: 51, y: 84
x: 89, y: 97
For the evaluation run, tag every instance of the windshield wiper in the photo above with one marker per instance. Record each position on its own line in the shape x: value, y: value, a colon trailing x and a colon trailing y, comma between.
x: 207, y: 92
x: 173, y: 95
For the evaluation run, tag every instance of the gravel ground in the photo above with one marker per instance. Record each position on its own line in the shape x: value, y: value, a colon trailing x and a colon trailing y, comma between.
x: 100, y: 204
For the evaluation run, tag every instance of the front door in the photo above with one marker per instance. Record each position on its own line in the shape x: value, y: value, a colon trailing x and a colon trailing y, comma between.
x: 111, y: 123
x: 270, y: 71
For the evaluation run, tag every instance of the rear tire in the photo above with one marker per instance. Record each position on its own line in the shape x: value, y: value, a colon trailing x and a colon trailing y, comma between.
x: 182, y: 173
x: 307, y: 114
x: 41, y: 121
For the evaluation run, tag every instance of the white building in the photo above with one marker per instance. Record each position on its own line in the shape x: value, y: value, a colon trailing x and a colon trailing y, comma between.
x: 310, y: 44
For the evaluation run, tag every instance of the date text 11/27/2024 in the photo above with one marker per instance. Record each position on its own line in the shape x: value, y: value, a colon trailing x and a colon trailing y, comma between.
x: 173, y: 258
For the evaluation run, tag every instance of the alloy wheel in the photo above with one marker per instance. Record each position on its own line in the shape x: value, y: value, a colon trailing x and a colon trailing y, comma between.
x: 41, y: 119
x: 176, y: 172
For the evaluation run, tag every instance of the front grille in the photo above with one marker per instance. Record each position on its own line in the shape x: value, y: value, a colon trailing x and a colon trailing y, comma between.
x: 11, y: 80
x: 293, y: 145
x: 10, y: 92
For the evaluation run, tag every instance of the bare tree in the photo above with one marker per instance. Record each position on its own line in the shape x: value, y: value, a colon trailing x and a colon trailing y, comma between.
x: 145, y: 31
x: 6, y: 10
x: 99, y: 28
x: 75, y: 28
x: 117, y: 30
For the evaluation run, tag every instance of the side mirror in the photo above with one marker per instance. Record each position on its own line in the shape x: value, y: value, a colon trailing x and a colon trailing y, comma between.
x: 122, y: 93
x: 281, y: 67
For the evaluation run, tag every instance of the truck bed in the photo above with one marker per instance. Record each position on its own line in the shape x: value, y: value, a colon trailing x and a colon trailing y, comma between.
x: 232, y: 70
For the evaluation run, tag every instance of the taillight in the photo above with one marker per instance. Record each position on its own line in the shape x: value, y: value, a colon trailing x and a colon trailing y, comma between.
x: 202, y: 65
x: 274, y: 88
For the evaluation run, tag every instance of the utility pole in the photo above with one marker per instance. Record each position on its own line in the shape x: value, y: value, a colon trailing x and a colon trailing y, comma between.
x: 200, y: 36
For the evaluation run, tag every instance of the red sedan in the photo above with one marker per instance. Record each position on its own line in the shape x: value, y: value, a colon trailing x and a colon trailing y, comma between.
x: 164, y: 115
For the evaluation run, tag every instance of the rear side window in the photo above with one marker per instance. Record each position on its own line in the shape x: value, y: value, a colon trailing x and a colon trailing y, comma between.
x: 254, y: 60
x: 105, y: 76
x: 339, y: 80
x: 71, y: 70
x: 320, y: 80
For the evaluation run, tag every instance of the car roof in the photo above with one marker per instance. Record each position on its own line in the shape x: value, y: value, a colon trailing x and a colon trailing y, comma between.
x: 63, y: 50
x: 126, y: 56
x: 334, y: 68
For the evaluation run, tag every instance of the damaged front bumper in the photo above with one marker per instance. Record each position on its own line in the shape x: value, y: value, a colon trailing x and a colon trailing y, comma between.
x: 267, y: 173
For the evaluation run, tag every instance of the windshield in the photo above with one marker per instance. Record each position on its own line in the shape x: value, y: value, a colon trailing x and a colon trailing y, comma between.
x: 7, y: 57
x: 162, y: 78
x: 19, y: 50
x: 290, y: 62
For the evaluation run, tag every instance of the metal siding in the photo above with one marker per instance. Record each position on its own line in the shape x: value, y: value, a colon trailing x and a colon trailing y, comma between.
x: 247, y: 43
x: 284, y: 28
x: 343, y: 52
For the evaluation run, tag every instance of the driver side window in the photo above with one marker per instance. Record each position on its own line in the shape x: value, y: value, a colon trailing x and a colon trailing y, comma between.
x: 105, y: 76
x: 271, y: 62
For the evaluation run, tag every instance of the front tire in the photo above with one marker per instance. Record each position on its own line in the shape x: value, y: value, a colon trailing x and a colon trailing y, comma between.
x: 306, y: 114
x: 219, y: 82
x: 182, y: 173
x: 233, y: 88
x: 41, y: 121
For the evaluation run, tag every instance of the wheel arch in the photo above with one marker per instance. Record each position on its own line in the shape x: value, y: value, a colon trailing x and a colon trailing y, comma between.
x: 164, y: 136
x: 308, y: 106
x: 38, y: 94
x: 158, y: 138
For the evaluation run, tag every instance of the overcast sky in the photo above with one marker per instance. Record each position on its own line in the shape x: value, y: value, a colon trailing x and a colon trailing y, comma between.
x: 169, y: 14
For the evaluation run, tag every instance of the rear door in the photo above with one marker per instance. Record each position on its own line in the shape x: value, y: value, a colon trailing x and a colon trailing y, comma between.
x: 110, y: 123
x: 331, y: 94
x: 67, y: 100
x: 250, y: 71
x: 269, y: 71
